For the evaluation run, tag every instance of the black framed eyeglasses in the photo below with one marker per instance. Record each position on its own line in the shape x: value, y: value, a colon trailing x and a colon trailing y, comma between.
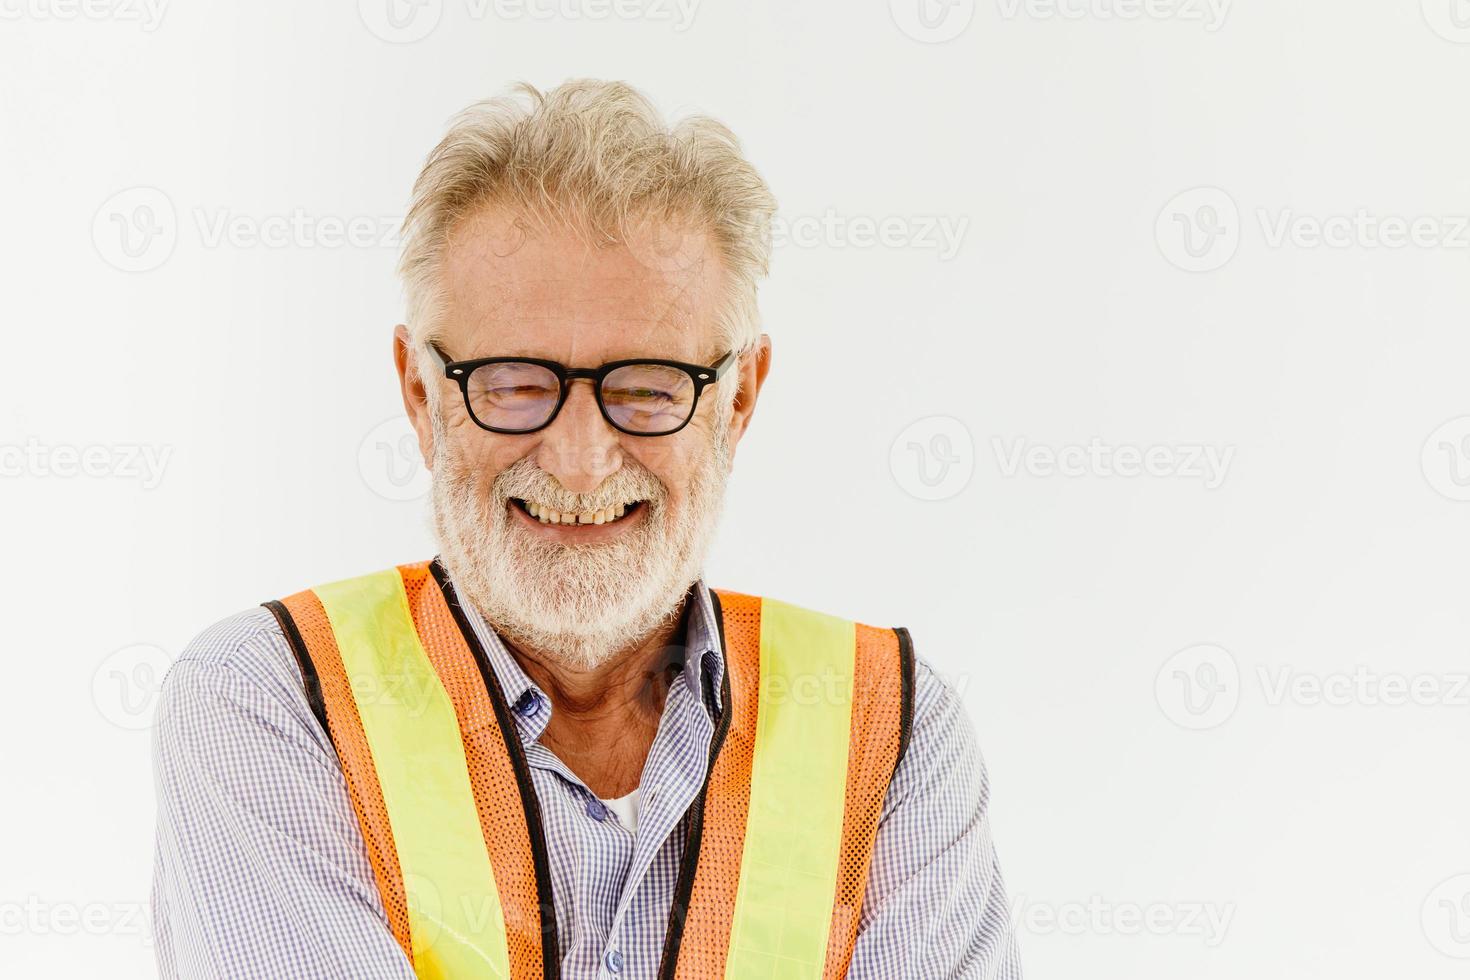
x: 640, y: 396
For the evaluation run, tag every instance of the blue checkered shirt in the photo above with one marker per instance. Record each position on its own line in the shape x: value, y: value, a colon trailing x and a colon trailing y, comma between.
x: 261, y: 870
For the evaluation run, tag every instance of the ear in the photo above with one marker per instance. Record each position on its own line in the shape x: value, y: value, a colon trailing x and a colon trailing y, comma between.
x: 415, y: 398
x: 751, y: 373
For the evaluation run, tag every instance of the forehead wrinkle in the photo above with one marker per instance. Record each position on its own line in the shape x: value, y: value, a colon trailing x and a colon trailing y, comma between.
x: 635, y: 301
x: 676, y: 311
x: 586, y: 310
x: 654, y: 305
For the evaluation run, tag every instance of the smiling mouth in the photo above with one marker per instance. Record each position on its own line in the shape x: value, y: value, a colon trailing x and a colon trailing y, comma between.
x: 606, y: 515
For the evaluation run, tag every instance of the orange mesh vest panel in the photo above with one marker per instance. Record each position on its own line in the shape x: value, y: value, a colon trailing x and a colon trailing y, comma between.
x: 698, y: 938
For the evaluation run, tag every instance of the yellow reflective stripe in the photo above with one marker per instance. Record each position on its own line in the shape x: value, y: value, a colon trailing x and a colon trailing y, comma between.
x: 454, y: 913
x: 798, y: 786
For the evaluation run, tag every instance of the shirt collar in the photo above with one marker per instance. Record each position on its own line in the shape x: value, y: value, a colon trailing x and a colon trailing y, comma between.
x: 704, y: 663
x: 706, y: 647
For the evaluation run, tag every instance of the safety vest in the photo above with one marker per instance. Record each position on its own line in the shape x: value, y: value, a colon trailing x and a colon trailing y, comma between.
x: 816, y: 713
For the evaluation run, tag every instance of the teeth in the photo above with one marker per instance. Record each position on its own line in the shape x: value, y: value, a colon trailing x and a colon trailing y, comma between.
x: 604, y: 516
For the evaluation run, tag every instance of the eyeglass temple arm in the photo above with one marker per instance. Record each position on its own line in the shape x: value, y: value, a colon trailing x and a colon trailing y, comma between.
x: 724, y: 364
x: 440, y: 358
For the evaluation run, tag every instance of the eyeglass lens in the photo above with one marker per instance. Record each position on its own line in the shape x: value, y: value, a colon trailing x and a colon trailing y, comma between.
x: 643, y: 398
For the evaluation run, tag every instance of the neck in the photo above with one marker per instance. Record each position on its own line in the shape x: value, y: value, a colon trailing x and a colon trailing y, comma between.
x: 634, y: 679
x: 604, y: 719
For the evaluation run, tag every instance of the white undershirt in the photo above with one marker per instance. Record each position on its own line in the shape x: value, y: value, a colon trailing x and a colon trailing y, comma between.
x: 626, y: 807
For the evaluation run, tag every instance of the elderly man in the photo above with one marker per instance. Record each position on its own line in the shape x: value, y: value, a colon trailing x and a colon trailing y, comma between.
x: 553, y: 751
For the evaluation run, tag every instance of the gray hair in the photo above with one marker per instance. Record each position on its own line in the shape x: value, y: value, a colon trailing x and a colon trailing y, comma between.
x: 593, y: 156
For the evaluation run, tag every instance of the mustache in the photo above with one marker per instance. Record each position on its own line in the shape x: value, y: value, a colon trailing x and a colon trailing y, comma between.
x: 524, y: 480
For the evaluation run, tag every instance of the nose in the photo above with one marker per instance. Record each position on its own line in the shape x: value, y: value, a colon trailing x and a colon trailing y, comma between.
x: 579, y: 448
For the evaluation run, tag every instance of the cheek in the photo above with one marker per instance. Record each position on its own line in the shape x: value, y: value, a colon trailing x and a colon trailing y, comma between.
x: 671, y: 459
x: 480, y: 456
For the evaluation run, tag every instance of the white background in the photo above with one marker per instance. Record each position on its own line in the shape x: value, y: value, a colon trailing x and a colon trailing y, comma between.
x: 1094, y: 292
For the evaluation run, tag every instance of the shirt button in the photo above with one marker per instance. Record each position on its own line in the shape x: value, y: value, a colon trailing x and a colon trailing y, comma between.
x: 528, y: 704
x: 614, y: 960
x: 597, y: 810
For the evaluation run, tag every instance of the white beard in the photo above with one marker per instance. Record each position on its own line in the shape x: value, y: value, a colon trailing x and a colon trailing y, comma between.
x: 581, y: 604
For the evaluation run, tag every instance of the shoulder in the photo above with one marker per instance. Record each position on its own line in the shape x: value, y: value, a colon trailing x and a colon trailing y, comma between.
x: 237, y: 673
x: 935, y: 904
x: 247, y: 641
x: 937, y: 699
x: 250, y: 646
x: 942, y: 767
